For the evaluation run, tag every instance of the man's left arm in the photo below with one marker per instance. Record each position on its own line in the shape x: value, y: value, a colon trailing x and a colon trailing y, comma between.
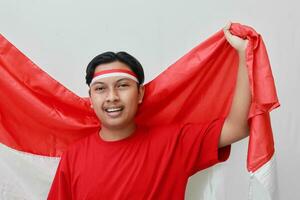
x: 236, y: 126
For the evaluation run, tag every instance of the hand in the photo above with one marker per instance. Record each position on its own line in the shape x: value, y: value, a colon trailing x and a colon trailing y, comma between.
x: 237, y: 43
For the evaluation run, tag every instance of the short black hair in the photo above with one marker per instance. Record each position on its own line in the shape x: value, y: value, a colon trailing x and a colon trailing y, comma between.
x: 109, y: 57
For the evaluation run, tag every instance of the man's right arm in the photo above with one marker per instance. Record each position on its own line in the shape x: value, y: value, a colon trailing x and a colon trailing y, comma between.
x: 61, y: 185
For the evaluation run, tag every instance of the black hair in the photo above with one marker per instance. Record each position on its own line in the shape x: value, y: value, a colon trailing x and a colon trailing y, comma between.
x: 109, y: 57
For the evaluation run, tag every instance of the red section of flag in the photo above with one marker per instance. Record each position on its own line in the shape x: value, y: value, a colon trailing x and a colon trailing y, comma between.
x: 40, y: 116
x: 37, y: 114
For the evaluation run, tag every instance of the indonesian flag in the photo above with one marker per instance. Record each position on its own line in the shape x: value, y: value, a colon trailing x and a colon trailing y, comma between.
x: 39, y: 117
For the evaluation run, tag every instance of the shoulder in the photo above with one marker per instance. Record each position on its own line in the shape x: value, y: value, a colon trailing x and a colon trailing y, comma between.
x: 203, y: 126
x: 177, y: 129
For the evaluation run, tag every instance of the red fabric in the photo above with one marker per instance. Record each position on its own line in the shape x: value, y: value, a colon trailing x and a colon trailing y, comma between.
x: 40, y: 116
x: 153, y: 163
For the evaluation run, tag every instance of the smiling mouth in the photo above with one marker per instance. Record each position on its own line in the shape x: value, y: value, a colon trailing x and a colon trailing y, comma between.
x: 113, y: 109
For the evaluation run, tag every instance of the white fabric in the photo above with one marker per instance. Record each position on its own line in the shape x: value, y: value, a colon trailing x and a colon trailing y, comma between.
x: 113, y: 74
x: 265, y: 181
x: 207, y: 185
x: 25, y: 176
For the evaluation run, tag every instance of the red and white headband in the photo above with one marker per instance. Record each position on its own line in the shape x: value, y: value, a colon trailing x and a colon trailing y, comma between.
x: 114, y: 72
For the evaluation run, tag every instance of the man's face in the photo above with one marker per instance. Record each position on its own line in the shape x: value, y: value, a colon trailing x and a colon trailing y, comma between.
x: 115, y: 99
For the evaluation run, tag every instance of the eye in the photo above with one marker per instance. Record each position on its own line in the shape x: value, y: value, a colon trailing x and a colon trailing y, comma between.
x: 99, y: 88
x: 123, y: 85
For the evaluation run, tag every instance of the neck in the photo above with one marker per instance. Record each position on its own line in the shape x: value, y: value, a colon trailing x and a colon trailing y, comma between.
x: 115, y: 134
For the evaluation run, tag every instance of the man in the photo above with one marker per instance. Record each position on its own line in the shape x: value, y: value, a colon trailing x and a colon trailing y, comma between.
x: 127, y: 161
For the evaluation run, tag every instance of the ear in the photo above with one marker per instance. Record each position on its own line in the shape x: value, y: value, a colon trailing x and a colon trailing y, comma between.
x: 91, y: 103
x: 90, y: 99
x: 141, y: 93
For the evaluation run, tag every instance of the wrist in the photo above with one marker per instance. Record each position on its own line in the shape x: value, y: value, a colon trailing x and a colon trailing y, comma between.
x: 242, y: 53
x: 242, y: 56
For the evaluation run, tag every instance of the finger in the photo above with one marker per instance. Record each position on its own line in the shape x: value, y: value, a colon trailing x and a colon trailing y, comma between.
x: 227, y: 26
x: 227, y: 33
x: 229, y: 37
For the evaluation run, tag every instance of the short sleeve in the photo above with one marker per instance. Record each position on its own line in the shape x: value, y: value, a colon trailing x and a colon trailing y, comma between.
x: 198, y: 145
x: 61, y: 185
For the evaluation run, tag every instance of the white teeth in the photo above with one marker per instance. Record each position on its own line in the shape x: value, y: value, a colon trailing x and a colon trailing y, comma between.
x: 113, y: 109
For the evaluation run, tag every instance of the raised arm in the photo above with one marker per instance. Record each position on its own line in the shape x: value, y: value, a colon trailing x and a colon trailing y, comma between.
x: 236, y: 126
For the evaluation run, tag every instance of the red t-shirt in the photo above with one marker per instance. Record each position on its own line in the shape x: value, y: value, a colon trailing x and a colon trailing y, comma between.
x: 152, y: 163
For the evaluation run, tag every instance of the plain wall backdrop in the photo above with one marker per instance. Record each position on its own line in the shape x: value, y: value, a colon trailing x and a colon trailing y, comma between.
x: 62, y: 36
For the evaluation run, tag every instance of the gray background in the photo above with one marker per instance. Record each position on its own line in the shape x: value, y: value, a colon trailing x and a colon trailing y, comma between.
x: 63, y: 36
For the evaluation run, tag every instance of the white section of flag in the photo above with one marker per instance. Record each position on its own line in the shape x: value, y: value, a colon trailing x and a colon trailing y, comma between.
x: 25, y: 176
x: 264, y: 182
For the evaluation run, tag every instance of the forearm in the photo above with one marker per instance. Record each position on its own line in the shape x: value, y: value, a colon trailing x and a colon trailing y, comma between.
x: 236, y: 124
x: 238, y: 114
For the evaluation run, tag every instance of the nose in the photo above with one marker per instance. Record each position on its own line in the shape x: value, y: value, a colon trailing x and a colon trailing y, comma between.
x: 112, y: 96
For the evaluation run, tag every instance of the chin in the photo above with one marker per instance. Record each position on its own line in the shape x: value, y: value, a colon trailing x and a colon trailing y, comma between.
x: 115, y: 124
